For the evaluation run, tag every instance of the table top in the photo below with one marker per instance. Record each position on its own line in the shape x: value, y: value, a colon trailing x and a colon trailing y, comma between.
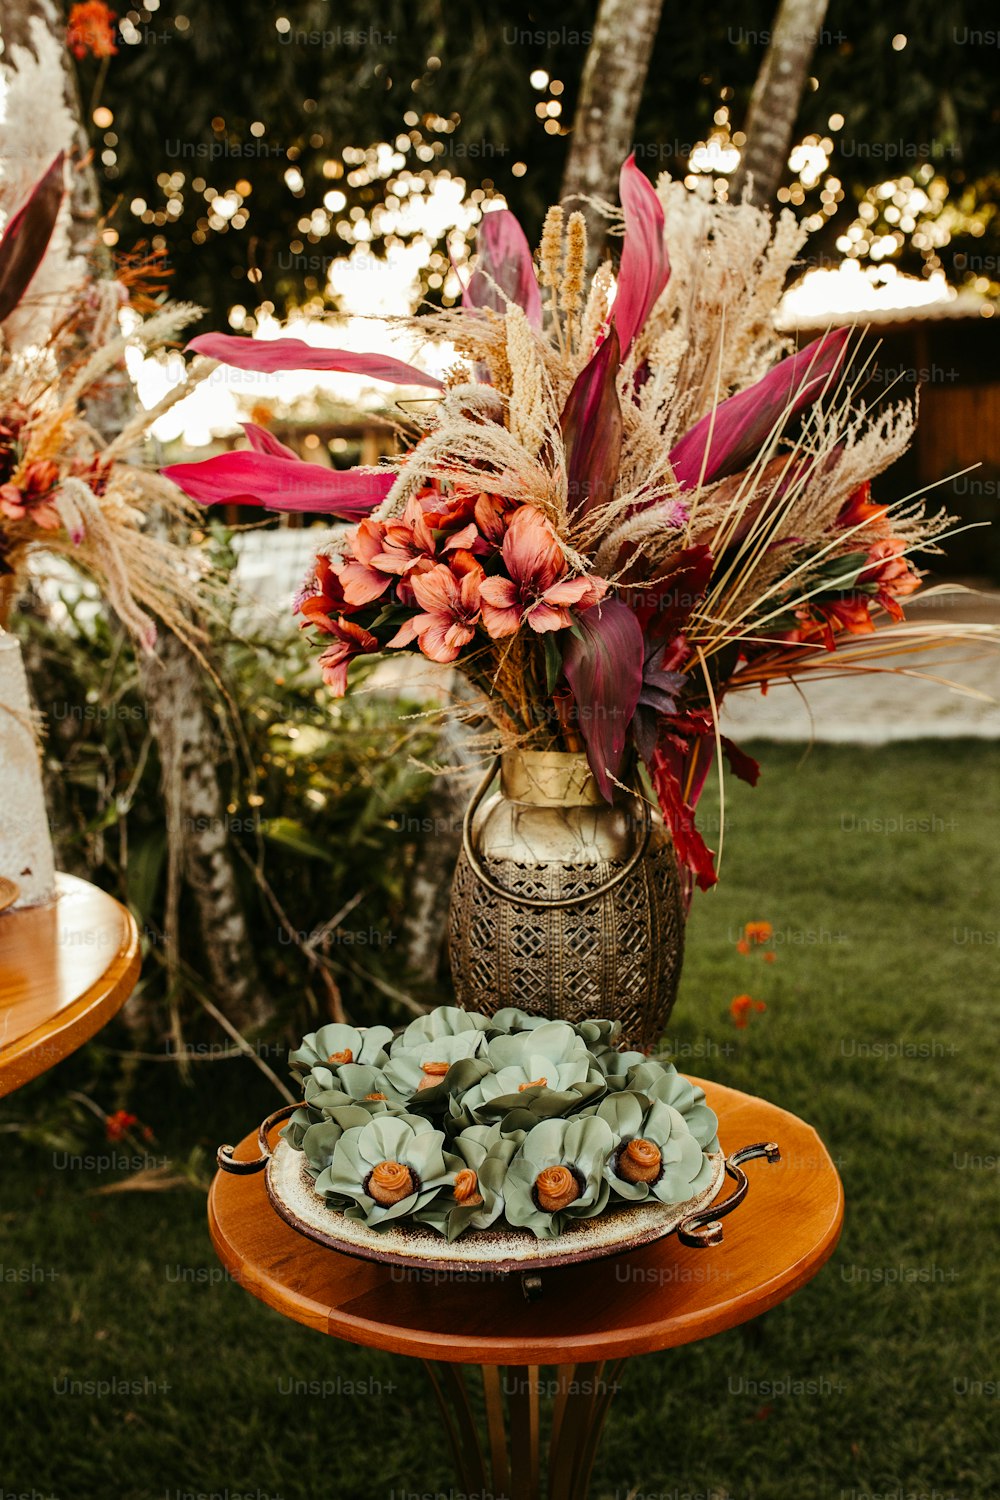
x: 656, y: 1297
x: 65, y: 969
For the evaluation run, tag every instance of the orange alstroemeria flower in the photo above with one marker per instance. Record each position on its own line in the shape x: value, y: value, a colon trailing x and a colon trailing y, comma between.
x: 350, y: 640
x: 538, y: 589
x: 860, y: 509
x: 449, y: 598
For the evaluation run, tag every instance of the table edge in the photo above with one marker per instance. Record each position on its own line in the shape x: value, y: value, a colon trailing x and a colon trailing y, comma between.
x: 23, y: 1060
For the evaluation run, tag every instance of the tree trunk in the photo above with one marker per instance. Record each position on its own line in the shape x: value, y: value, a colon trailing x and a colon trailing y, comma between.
x: 774, y: 104
x: 197, y: 830
x: 610, y: 91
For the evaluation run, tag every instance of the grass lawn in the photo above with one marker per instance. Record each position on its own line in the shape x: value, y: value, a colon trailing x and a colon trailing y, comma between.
x: 879, y: 870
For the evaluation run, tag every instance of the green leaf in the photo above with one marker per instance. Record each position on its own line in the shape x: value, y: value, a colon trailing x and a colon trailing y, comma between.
x: 553, y: 661
x: 291, y: 834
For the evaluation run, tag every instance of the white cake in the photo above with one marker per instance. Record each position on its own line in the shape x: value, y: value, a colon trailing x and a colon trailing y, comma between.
x: 25, y: 842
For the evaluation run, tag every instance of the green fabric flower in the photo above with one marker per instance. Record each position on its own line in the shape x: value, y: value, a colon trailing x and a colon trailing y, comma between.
x: 388, y: 1168
x: 476, y: 1200
x: 557, y: 1175
x: 546, y: 1070
x: 510, y: 1019
x: 429, y: 1072
x: 298, y: 1123
x: 615, y: 1065
x: 320, y: 1140
x: 655, y: 1155
x: 445, y: 1021
x: 334, y: 1045
x: 663, y: 1082
x: 353, y: 1083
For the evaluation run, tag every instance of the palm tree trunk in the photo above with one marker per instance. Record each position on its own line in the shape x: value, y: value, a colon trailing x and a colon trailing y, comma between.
x: 614, y: 75
x: 774, y: 103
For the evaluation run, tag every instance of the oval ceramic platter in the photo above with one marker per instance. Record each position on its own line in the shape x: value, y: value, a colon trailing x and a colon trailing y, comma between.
x: 500, y: 1249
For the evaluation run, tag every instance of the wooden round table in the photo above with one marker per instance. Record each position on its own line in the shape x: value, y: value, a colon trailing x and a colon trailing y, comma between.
x: 589, y: 1319
x: 65, y: 969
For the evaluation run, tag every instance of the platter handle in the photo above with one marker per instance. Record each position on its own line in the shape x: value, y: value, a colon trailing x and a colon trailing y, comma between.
x: 224, y: 1155
x: 703, y: 1228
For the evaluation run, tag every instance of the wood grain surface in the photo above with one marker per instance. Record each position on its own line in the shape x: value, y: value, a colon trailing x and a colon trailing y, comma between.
x: 65, y: 969
x: 653, y: 1298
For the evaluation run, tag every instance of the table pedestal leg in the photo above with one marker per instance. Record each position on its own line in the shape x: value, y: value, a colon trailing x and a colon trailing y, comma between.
x: 509, y: 1464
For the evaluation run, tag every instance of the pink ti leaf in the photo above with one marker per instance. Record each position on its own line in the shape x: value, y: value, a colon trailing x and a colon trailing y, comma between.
x: 745, y: 422
x: 249, y: 477
x: 504, y: 271
x: 603, y: 660
x: 645, y: 265
x: 270, y: 355
x: 592, y: 431
x: 263, y: 441
x: 26, y: 237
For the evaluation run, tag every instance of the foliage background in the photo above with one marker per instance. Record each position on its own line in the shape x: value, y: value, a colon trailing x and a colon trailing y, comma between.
x: 359, y: 73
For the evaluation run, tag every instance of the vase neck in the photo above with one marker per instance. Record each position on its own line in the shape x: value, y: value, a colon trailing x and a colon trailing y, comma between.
x: 548, y: 778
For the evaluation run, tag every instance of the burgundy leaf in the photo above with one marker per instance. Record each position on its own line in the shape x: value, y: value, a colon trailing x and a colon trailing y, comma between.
x: 26, y: 237
x: 645, y: 265
x: 270, y: 355
x: 247, y: 477
x: 263, y: 441
x: 744, y: 423
x: 592, y: 431
x: 504, y: 271
x: 695, y: 858
x: 665, y: 607
x: 602, y: 660
x: 742, y: 765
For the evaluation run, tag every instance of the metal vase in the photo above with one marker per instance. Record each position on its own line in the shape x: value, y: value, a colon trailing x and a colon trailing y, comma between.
x: 563, y: 904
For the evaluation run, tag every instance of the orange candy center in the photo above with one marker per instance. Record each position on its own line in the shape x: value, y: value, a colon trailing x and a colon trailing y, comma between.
x: 467, y: 1188
x: 375, y: 1096
x: 390, y: 1182
x: 433, y: 1072
x: 537, y: 1083
x: 640, y: 1162
x: 556, y: 1188
x: 337, y: 1058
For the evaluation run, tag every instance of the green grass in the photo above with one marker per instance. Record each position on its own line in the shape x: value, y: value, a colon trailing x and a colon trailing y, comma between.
x: 873, y: 927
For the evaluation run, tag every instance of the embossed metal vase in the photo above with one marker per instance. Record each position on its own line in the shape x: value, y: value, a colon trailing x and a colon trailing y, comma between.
x: 563, y: 904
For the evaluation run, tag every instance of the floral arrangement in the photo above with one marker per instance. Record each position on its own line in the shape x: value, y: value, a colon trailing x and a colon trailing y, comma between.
x: 626, y: 499
x: 68, y: 489
x: 462, y: 1121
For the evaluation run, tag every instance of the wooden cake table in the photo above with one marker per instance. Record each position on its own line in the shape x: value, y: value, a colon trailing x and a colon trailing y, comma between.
x: 65, y: 969
x: 589, y: 1319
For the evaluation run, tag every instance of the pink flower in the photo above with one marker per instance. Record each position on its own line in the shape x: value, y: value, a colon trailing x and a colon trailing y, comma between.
x: 491, y: 514
x: 410, y: 543
x: 450, y: 600
x: 350, y: 640
x: 360, y: 578
x: 538, y: 589
x: 410, y: 540
x: 321, y: 595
